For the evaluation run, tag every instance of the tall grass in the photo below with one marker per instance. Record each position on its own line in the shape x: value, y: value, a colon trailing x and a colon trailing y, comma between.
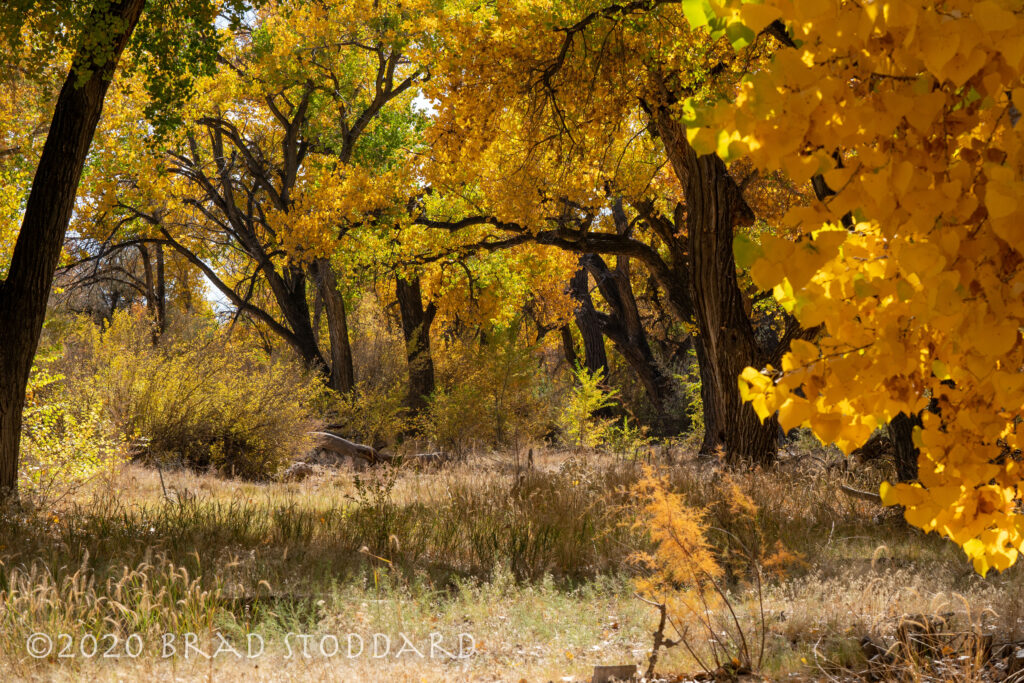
x: 217, y: 555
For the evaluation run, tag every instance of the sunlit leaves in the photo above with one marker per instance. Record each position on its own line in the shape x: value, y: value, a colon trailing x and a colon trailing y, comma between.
x: 921, y: 301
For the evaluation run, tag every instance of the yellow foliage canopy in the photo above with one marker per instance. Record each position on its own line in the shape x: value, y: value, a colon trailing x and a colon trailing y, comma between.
x: 922, y: 298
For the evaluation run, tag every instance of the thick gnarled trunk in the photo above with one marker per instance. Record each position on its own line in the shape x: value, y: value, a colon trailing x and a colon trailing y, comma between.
x: 726, y: 338
x: 725, y: 342
x: 24, y: 293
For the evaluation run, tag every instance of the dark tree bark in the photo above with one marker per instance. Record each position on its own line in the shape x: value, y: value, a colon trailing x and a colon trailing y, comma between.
x: 624, y: 327
x: 160, y: 290
x: 23, y: 294
x: 569, y: 346
x: 595, y: 357
x: 726, y: 343
x: 342, y: 372
x: 905, y: 453
x: 416, y: 322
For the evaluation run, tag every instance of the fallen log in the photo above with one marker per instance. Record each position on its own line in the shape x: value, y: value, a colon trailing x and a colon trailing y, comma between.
x: 343, y: 447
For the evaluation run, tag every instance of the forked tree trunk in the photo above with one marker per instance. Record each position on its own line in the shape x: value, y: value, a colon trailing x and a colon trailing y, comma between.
x: 342, y: 376
x: 290, y: 294
x: 416, y: 322
x: 24, y: 293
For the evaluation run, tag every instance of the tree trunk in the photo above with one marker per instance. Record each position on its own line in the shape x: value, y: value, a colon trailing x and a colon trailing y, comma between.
x: 901, y: 431
x: 153, y: 270
x: 625, y: 328
x: 160, y: 291
x: 342, y: 373
x: 569, y: 346
x: 726, y: 342
x: 289, y: 289
x: 595, y: 358
x: 23, y: 295
x: 416, y: 322
x: 724, y: 329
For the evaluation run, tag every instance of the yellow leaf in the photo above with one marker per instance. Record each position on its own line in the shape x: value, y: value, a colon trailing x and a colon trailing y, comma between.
x: 827, y: 426
x: 940, y: 370
x: 999, y: 202
x: 794, y: 412
x: 757, y: 16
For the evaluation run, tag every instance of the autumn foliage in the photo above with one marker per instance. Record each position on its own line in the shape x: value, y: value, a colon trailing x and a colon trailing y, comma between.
x: 912, y: 263
x: 813, y: 206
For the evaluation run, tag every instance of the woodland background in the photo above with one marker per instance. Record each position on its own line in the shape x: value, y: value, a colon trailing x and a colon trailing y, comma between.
x: 517, y: 308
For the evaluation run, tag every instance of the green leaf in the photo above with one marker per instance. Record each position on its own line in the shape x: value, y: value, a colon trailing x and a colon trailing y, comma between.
x: 739, y: 35
x: 698, y: 13
x: 746, y: 250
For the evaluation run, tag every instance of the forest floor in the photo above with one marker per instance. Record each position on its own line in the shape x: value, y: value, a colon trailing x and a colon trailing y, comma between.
x: 530, y: 569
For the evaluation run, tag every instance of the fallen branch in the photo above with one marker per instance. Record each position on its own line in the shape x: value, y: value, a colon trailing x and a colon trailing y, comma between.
x: 863, y: 495
x: 343, y: 447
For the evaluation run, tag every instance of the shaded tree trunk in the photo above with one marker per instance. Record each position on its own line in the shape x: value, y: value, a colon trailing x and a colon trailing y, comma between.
x: 153, y: 271
x: 725, y: 333
x: 595, y: 357
x: 625, y: 329
x: 569, y: 346
x: 24, y: 293
x: 160, y: 291
x: 725, y: 343
x: 416, y: 322
x: 342, y: 376
x: 901, y: 431
x: 290, y: 296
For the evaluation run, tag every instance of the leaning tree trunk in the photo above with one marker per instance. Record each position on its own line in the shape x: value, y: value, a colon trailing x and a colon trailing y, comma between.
x: 416, y: 322
x: 24, y: 293
x: 289, y: 289
x: 624, y: 327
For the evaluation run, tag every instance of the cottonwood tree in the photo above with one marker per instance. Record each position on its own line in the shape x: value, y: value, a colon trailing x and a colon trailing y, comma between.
x: 912, y: 262
x: 582, y: 97
x: 174, y: 41
x: 290, y: 146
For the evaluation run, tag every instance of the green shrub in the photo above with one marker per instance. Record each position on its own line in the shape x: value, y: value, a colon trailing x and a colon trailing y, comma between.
x: 66, y: 438
x: 627, y: 440
x: 579, y: 418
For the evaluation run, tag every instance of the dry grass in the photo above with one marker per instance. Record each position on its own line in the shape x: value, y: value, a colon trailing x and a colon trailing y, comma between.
x: 533, y: 565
